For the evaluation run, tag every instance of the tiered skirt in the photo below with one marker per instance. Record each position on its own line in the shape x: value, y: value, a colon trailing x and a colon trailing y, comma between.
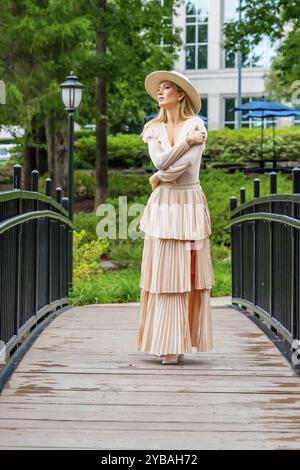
x: 176, y: 272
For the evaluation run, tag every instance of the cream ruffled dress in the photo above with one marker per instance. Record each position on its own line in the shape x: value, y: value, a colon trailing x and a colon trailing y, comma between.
x: 176, y: 268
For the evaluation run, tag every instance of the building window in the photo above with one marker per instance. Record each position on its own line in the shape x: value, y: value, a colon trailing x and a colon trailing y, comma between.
x: 260, y: 55
x: 230, y: 117
x: 203, y: 109
x: 196, y: 36
x: 297, y: 118
x: 167, y: 21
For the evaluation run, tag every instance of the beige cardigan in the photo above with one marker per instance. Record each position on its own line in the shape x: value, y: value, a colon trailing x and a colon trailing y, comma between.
x: 177, y: 208
x: 180, y: 163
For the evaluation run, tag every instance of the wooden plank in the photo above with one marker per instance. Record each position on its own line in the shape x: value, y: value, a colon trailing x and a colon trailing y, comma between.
x: 83, y: 383
x: 90, y: 397
x: 139, y: 439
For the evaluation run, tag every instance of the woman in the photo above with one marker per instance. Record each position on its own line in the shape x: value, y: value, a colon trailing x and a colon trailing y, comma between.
x: 176, y: 268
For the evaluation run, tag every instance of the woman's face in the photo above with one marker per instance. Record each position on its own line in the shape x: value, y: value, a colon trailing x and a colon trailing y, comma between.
x: 167, y: 95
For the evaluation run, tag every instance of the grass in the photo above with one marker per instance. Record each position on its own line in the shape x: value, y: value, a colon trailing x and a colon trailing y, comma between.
x: 123, y: 286
x: 112, y: 287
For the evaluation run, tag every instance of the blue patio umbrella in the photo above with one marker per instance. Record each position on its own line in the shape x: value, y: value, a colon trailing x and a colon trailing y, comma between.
x: 264, y: 114
x: 262, y: 106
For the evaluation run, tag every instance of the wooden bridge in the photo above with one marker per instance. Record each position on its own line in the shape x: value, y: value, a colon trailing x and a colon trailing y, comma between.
x: 82, y: 384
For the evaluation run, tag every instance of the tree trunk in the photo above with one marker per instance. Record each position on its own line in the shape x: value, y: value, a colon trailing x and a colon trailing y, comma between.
x: 41, y: 151
x: 35, y: 157
x: 58, y: 165
x: 29, y: 163
x: 101, y: 119
x: 50, y: 145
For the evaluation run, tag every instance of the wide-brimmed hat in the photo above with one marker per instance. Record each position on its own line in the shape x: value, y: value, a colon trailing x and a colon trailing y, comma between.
x: 153, y: 80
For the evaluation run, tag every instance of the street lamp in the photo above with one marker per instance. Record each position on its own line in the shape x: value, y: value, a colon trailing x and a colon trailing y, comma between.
x: 240, y: 65
x: 71, y: 96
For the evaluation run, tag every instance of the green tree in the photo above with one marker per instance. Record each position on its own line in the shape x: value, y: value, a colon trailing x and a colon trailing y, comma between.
x: 111, y: 45
x: 280, y: 20
x: 128, y: 46
x: 39, y: 42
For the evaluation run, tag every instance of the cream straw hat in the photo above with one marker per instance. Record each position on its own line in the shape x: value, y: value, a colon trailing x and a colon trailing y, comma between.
x: 153, y: 80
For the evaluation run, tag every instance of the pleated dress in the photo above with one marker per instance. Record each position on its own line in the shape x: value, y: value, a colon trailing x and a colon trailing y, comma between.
x: 176, y: 267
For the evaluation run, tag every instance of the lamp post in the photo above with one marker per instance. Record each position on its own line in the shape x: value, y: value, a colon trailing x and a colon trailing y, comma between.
x: 71, y: 97
x: 239, y: 64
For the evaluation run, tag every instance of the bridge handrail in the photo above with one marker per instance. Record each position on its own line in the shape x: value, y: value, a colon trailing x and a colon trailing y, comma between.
x: 35, y: 261
x: 27, y: 216
x: 265, y: 256
x: 23, y: 194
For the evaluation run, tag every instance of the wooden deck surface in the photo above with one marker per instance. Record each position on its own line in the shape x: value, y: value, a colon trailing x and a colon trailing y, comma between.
x: 84, y: 385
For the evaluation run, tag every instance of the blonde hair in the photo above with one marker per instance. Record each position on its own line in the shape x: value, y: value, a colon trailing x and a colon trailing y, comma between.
x: 185, y: 110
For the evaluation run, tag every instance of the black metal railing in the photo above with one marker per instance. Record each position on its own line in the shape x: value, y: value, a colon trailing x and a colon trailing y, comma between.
x: 35, y: 232
x: 265, y: 256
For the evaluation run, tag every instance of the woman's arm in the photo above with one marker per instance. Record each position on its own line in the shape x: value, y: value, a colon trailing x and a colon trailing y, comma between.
x: 188, y: 159
x: 163, y: 160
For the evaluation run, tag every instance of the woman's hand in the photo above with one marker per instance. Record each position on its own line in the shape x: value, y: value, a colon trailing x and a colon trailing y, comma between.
x: 154, y: 181
x: 196, y: 136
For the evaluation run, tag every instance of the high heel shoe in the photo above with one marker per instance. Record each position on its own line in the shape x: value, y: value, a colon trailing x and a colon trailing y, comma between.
x: 170, y: 359
x: 180, y: 357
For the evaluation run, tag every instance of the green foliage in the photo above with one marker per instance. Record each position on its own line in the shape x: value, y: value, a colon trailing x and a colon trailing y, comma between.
x: 237, y: 145
x: 85, y: 152
x: 123, y: 285
x: 87, y: 222
x: 87, y: 255
x: 131, y: 185
x: 219, y: 186
x: 124, y: 151
x: 226, y: 145
x: 270, y: 18
x: 84, y: 184
x: 113, y: 287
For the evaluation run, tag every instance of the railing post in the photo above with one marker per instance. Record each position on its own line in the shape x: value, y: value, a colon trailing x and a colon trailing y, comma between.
x: 48, y: 192
x: 295, y: 257
x: 273, y: 182
x: 233, y: 205
x: 35, y: 181
x: 35, y: 188
x: 17, y: 176
x: 256, y: 187
x: 273, y: 190
x: 66, y: 271
x: 48, y: 187
x: 17, y: 186
x: 256, y: 194
x: 58, y: 193
x: 242, y: 195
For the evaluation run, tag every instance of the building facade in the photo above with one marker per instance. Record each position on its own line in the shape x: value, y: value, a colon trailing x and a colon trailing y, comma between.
x: 211, y: 69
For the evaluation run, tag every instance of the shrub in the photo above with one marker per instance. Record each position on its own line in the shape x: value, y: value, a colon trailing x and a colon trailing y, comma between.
x: 124, y: 151
x: 226, y: 145
x: 230, y: 145
x: 87, y: 256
